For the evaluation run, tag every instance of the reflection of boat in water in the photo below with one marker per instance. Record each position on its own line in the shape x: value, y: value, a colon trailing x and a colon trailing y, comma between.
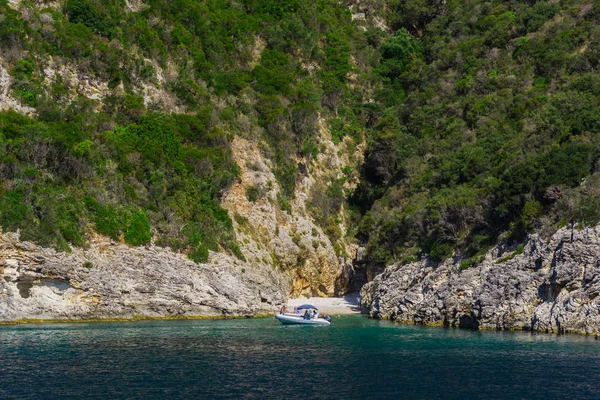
x: 310, y: 316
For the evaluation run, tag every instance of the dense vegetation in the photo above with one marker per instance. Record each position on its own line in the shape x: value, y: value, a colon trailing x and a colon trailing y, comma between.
x: 61, y: 176
x: 486, y: 127
x: 128, y: 167
x: 481, y: 118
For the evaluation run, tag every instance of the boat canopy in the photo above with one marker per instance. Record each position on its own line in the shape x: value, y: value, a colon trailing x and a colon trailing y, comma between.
x: 306, y: 307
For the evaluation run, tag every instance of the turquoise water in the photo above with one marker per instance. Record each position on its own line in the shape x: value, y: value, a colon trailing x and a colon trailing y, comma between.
x: 355, y: 358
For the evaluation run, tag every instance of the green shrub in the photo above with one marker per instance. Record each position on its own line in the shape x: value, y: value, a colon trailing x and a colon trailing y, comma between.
x: 108, y: 221
x: 13, y: 28
x: 519, y: 250
x: 437, y: 251
x: 531, y: 211
x: 23, y: 69
x: 13, y: 210
x: 83, y: 149
x: 311, y: 149
x: 398, y: 52
x: 235, y: 249
x: 241, y: 220
x: 91, y: 14
x: 284, y: 204
x: 272, y: 74
x: 199, y: 254
x: 254, y: 193
x: 473, y: 261
x: 138, y: 229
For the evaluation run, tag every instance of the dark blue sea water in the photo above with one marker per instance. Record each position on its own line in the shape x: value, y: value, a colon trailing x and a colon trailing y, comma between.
x: 355, y: 358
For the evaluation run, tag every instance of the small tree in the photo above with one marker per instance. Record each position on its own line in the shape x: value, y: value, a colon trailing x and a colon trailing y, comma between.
x: 397, y: 53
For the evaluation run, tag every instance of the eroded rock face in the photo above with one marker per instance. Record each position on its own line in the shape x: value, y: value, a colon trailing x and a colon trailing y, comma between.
x: 552, y: 286
x: 111, y: 280
x: 290, y: 242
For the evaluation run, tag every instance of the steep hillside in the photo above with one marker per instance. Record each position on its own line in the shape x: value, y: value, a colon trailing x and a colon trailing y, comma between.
x: 486, y: 128
x: 200, y: 126
x: 279, y: 136
x: 480, y: 186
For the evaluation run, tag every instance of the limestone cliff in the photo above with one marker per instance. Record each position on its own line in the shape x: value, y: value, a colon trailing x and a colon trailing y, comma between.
x: 552, y: 286
x: 289, y: 240
x: 112, y: 281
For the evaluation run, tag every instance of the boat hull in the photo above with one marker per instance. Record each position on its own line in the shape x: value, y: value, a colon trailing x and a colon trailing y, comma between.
x: 299, y: 320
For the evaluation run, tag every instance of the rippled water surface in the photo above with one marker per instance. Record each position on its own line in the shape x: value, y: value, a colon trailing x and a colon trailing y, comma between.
x: 355, y: 358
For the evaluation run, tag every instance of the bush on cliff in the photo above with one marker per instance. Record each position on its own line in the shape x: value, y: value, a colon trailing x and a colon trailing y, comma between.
x: 138, y: 231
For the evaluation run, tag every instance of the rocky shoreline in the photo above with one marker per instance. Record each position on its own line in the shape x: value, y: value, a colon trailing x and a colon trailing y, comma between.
x: 548, y: 285
x: 113, y: 281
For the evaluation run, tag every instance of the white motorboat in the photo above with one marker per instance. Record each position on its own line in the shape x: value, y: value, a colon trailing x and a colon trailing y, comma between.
x: 303, y: 315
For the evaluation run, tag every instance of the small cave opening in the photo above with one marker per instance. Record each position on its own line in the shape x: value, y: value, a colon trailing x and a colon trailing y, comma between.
x: 468, y: 322
x: 25, y: 288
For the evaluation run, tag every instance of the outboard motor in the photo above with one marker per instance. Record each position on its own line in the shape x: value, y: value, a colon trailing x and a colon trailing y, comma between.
x: 328, y: 318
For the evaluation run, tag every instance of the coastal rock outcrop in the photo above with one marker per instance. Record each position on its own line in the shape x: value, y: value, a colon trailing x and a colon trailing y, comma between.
x: 109, y: 280
x: 548, y: 285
